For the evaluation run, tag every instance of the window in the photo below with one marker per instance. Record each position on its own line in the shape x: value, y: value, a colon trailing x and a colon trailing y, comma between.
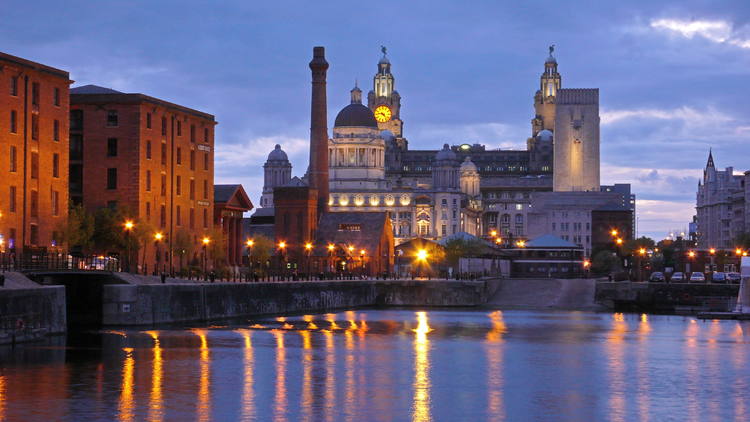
x: 112, y: 147
x: 57, y: 97
x: 55, y: 165
x: 164, y: 153
x: 12, y: 199
x: 35, y: 93
x: 192, y: 189
x: 112, y: 119
x: 34, y: 165
x: 178, y: 186
x: 163, y: 126
x: 13, y: 164
x: 205, y: 161
x: 178, y: 215
x: 205, y: 189
x: 163, y: 216
x: 34, y: 203
x: 14, y: 86
x: 192, y: 133
x: 34, y: 230
x: 148, y: 150
x: 55, y: 203
x: 163, y: 185
x: 192, y: 218
x: 179, y: 155
x: 148, y: 210
x: 35, y: 127
x: 349, y: 227
x: 205, y: 135
x: 192, y: 160
x: 111, y: 178
x: 56, y: 130
x: 76, y: 119
x: 442, y: 230
x: 13, y: 121
x: 148, y: 180
x: 205, y: 218
x: 179, y: 128
x: 148, y: 120
x: 76, y: 147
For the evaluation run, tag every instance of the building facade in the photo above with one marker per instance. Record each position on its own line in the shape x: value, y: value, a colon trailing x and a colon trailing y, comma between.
x: 462, y: 187
x: 34, y: 150
x: 722, y: 206
x: 230, y: 203
x: 147, y: 156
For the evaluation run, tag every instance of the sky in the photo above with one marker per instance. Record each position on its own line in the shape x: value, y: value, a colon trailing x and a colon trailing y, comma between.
x: 673, y: 76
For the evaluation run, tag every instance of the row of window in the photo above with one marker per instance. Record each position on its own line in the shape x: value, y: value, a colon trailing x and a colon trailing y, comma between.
x: 33, y: 201
x: 34, y: 173
x: 34, y: 126
x: 424, y: 168
x: 35, y: 91
x: 177, y: 216
x: 577, y: 226
x: 178, y: 184
x: 113, y: 120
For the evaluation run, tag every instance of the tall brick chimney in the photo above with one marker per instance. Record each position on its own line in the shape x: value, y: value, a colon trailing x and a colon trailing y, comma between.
x: 319, y: 130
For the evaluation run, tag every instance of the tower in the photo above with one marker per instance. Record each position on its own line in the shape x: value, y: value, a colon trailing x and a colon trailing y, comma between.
x: 445, y: 170
x: 576, y: 140
x: 384, y: 100
x: 469, y: 178
x: 319, y: 129
x: 544, y: 99
x: 277, y: 171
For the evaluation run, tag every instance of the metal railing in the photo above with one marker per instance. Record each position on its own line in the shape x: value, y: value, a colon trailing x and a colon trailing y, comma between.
x: 57, y: 261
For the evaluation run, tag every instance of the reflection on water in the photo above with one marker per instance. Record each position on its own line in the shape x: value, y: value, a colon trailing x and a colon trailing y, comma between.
x: 392, y: 365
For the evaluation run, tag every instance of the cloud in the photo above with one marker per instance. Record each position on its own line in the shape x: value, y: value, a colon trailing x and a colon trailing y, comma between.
x: 492, y: 135
x: 719, y: 31
x: 657, y: 218
x: 689, y: 115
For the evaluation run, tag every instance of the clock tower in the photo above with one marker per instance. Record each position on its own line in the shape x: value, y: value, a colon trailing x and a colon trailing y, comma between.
x: 384, y: 100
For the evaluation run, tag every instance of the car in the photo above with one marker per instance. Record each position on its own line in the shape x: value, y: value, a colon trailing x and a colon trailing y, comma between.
x: 734, y: 278
x: 719, y: 277
x: 656, y: 277
x: 677, y: 277
x: 697, y: 277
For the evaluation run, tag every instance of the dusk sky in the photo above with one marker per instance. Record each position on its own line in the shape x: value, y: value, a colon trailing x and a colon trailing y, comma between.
x: 672, y: 75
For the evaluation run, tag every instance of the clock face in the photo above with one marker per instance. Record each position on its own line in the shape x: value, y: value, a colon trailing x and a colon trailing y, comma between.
x: 382, y: 113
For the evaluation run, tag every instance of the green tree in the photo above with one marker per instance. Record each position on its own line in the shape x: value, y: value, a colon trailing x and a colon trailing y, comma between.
x: 457, y: 247
x: 78, y: 231
x: 182, y: 245
x: 605, y: 262
x: 261, y: 252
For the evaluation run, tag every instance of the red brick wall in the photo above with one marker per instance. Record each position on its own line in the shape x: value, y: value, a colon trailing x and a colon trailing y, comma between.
x: 46, y: 146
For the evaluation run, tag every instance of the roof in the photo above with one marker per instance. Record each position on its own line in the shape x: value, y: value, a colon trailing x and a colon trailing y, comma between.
x: 549, y: 241
x: 371, y: 228
x: 232, y: 196
x: 356, y: 114
x: 34, y: 65
x: 93, y: 89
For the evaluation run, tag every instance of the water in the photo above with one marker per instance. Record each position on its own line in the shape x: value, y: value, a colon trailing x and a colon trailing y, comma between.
x: 392, y: 365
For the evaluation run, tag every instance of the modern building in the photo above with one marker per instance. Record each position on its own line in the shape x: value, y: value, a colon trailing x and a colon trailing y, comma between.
x: 628, y: 201
x: 34, y: 150
x: 462, y: 187
x: 147, y: 156
x: 549, y: 256
x: 722, y: 206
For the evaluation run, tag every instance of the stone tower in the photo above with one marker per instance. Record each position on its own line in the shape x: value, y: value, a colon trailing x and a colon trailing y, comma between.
x: 576, y: 141
x: 277, y: 171
x: 319, y: 129
x: 544, y: 99
x: 384, y: 100
x: 445, y: 170
x: 469, y: 178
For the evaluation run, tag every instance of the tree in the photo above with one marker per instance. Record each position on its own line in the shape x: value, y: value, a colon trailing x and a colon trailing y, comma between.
x: 78, y: 231
x: 605, y: 262
x: 261, y: 252
x: 182, y: 245
x: 456, y: 248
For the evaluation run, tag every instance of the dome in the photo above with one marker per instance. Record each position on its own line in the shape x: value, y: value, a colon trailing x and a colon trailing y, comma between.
x: 384, y: 60
x: 387, y: 135
x: 356, y: 115
x: 544, y: 135
x: 445, y: 154
x: 551, y: 59
x: 277, y: 154
x: 467, y: 165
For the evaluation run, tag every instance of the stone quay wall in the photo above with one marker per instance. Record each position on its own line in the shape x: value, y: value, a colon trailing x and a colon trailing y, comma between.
x: 28, y: 314
x: 152, y: 304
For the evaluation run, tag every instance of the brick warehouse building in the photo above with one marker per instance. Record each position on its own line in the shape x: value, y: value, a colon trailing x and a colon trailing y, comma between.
x: 33, y: 154
x: 149, y: 156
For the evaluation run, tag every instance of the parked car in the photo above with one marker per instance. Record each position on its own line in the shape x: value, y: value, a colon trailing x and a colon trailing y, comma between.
x: 719, y: 277
x: 697, y: 277
x: 677, y: 277
x: 734, y: 278
x: 656, y: 277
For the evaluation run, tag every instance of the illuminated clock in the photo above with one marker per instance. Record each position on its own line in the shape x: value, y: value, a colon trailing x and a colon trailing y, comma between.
x: 382, y: 113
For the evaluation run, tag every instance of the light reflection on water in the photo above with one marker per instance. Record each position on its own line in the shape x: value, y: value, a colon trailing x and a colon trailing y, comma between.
x: 391, y: 365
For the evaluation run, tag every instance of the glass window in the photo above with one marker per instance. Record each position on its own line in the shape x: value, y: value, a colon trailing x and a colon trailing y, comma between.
x: 112, y: 118
x: 111, y: 178
x: 112, y: 147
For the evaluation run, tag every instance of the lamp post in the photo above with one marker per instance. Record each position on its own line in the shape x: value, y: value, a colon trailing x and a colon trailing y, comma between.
x: 690, y: 255
x: 711, y: 254
x: 586, y: 267
x: 331, y: 248
x: 422, y: 257
x: 362, y: 253
x: 308, y: 251
x: 641, y: 255
x: 282, y: 248
x: 158, y: 236
x: 205, y: 241
x: 128, y: 228
x: 249, y: 244
x: 350, y: 258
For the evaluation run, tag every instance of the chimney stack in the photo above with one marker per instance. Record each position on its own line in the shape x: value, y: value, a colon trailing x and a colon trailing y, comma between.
x: 319, y: 129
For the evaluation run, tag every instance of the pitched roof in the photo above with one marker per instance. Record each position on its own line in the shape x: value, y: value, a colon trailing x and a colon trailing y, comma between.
x: 549, y: 241
x: 363, y: 230
x: 93, y: 89
x: 233, y: 196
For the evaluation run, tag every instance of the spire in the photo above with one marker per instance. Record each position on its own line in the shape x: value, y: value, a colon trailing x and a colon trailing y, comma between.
x: 710, y: 162
x: 356, y: 94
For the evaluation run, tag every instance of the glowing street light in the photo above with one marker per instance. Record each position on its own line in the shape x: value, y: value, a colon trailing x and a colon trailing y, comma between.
x: 250, y: 243
x: 642, y: 251
x: 206, y: 241
x: 499, y: 241
x: 331, y: 247
x: 613, y: 232
x: 521, y: 243
x: 128, y: 228
x: 308, y: 246
x: 493, y: 233
x: 712, y: 251
x: 691, y: 254
x: 158, y: 236
x: 350, y: 248
x: 738, y: 251
x: 619, y: 241
x: 422, y: 255
x: 129, y: 225
x: 282, y: 245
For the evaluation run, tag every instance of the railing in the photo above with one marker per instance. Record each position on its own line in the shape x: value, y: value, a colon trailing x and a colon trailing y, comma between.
x: 57, y: 261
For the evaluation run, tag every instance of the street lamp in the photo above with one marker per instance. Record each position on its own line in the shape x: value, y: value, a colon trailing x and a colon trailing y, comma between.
x: 691, y: 255
x: 521, y: 243
x: 493, y: 233
x: 308, y: 250
x: 282, y: 248
x: 128, y: 228
x: 249, y: 243
x: 205, y: 241
x: 613, y: 232
x: 331, y: 247
x: 362, y: 253
x: 711, y: 253
x: 158, y: 236
x: 641, y: 254
x: 422, y: 256
x: 586, y: 266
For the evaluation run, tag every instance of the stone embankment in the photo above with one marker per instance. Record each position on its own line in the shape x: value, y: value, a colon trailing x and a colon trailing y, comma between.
x: 29, y: 311
x: 545, y: 293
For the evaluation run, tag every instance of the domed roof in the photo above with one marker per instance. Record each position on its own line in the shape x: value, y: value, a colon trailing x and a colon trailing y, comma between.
x: 445, y: 154
x: 387, y: 135
x: 277, y: 154
x: 468, y: 165
x: 544, y: 135
x: 384, y: 60
x: 551, y: 59
x: 356, y: 115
